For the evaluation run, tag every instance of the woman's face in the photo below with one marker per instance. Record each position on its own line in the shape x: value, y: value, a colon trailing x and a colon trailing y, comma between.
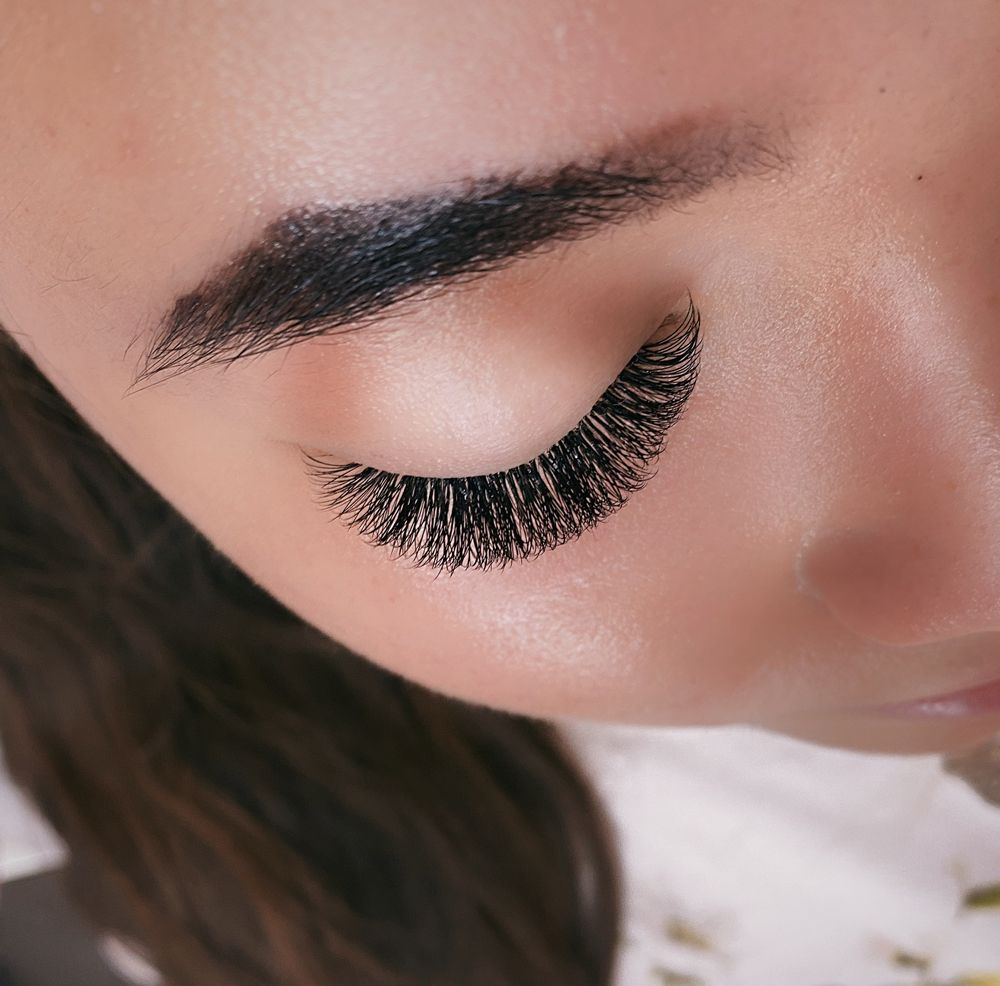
x: 449, y: 226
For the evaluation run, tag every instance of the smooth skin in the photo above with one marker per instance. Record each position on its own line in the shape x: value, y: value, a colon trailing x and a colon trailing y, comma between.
x: 823, y: 532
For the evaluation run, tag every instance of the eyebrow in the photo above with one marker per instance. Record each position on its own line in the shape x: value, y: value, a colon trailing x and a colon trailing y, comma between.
x: 323, y: 267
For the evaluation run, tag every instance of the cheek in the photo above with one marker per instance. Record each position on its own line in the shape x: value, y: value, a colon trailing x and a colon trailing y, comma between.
x: 587, y: 630
x: 622, y: 624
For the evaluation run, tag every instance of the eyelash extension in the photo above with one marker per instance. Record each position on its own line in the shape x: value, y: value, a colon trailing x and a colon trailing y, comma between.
x: 492, y: 520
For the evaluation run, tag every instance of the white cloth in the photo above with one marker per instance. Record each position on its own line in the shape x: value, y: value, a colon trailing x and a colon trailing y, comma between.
x: 752, y: 859
x: 27, y: 844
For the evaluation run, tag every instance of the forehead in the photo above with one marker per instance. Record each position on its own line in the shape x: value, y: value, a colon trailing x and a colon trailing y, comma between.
x: 154, y: 139
x: 360, y: 100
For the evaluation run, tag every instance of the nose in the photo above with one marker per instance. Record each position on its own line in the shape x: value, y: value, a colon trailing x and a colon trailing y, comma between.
x: 905, y: 548
x: 908, y: 549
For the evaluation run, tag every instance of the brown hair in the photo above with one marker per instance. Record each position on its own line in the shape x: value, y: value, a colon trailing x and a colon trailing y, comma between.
x: 240, y: 795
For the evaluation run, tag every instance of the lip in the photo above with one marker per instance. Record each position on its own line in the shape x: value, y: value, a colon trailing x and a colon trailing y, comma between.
x: 980, y: 700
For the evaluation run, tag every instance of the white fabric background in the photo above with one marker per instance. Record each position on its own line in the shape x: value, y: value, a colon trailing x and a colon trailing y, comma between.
x: 798, y: 865
x: 27, y: 845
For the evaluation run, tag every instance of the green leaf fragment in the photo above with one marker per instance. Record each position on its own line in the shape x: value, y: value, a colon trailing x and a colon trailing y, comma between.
x: 682, y: 933
x: 983, y: 897
x: 908, y: 960
x: 669, y: 977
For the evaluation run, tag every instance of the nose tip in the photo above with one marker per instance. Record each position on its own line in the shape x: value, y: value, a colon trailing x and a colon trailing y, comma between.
x: 898, y: 587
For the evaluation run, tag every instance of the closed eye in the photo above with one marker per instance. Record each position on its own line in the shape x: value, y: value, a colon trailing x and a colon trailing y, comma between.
x: 492, y: 520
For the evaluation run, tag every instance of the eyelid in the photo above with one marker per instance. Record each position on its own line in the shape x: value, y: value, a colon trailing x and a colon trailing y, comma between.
x: 490, y: 520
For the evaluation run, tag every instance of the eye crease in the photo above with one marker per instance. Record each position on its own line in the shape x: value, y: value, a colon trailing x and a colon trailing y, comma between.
x: 490, y: 521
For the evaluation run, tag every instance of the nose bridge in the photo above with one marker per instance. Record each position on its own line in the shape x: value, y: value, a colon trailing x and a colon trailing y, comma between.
x: 938, y: 191
x: 908, y: 550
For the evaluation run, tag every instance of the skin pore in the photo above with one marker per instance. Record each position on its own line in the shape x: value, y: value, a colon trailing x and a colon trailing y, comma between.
x: 823, y: 532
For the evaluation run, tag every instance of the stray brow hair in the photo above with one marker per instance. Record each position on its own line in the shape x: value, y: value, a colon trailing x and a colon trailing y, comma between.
x: 323, y: 266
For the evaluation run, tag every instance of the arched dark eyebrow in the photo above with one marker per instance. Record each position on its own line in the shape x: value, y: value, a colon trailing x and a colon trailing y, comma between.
x: 323, y: 267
